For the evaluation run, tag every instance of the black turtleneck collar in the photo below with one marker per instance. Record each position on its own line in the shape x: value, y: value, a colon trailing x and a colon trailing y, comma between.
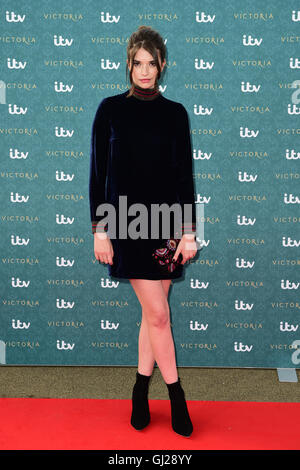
x: 145, y: 94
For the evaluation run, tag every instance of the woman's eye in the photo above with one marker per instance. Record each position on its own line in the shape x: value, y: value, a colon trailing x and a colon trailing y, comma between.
x: 137, y: 63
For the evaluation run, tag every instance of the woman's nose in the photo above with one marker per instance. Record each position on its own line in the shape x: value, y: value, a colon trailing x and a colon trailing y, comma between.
x: 145, y: 69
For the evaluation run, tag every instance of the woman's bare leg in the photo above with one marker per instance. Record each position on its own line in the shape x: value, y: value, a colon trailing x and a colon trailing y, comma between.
x: 146, y: 357
x: 153, y: 299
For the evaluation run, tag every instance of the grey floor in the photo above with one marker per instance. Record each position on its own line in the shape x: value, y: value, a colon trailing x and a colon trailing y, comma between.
x: 117, y: 382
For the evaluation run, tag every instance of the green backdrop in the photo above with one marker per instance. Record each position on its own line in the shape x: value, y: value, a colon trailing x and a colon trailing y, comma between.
x: 233, y: 65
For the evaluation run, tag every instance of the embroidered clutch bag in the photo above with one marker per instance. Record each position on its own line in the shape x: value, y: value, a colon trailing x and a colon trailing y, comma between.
x: 163, y: 256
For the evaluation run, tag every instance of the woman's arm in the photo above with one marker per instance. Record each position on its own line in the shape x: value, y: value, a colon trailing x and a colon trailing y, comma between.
x: 99, y: 148
x: 186, y: 188
x: 97, y: 181
x: 184, y: 172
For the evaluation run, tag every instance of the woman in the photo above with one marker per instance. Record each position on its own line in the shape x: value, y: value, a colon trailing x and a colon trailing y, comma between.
x: 141, y: 149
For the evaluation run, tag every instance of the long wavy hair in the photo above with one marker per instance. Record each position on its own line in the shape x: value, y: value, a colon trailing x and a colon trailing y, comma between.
x: 150, y: 40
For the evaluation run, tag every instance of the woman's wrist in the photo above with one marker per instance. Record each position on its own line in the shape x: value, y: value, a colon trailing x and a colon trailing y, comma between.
x: 101, y: 235
x: 189, y: 236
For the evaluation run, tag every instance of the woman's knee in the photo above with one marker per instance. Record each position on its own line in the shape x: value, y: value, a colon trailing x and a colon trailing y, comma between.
x: 153, y: 299
x: 158, y: 316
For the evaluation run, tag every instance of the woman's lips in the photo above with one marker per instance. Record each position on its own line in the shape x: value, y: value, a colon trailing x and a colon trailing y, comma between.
x: 145, y: 80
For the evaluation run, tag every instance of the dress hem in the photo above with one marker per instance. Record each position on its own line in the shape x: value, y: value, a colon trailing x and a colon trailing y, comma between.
x: 150, y: 277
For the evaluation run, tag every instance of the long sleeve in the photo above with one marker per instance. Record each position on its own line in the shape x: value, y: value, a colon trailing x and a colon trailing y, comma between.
x: 99, y: 148
x: 184, y: 171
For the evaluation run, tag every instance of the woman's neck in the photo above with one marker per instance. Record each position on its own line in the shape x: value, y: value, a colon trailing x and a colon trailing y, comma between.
x: 145, y: 94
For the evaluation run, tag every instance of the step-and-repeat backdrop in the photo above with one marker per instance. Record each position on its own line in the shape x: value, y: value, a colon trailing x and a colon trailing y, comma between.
x: 236, y: 68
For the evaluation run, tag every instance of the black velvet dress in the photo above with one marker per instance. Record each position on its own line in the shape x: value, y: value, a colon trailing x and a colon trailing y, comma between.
x: 141, y: 150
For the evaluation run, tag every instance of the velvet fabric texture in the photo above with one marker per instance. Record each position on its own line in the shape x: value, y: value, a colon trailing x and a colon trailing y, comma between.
x: 140, y: 149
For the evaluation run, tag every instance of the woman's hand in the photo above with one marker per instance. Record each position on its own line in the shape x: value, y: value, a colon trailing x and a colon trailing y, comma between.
x: 103, y: 248
x: 187, y: 246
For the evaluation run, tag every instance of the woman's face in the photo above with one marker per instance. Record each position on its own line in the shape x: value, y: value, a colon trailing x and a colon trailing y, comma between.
x: 144, y: 70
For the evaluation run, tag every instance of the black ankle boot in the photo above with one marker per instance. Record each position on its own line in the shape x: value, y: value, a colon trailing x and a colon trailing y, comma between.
x: 140, y: 416
x: 181, y: 422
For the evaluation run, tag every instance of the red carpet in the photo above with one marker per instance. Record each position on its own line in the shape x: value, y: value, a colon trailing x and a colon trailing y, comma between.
x: 82, y: 424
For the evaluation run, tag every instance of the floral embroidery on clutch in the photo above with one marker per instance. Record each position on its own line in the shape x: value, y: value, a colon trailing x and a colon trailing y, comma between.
x: 164, y: 255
